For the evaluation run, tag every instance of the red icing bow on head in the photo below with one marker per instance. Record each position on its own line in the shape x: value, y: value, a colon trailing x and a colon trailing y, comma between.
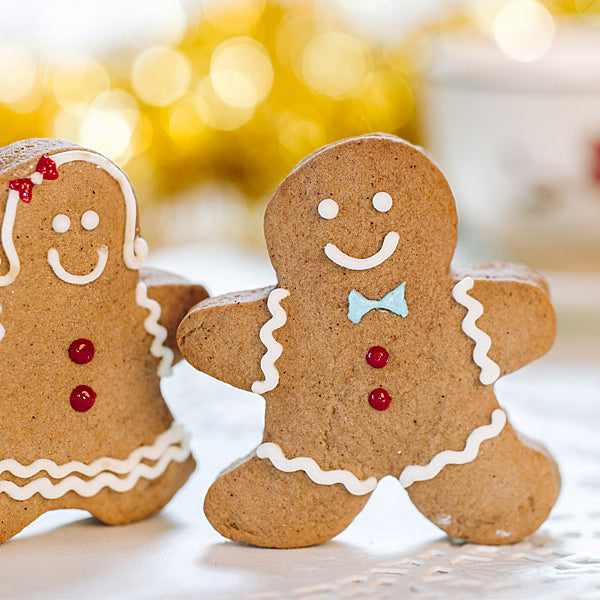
x: 46, y: 167
x: 23, y: 186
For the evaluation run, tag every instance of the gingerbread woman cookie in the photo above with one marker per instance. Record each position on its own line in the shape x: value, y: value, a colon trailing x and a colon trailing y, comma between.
x: 85, y: 337
x: 375, y: 358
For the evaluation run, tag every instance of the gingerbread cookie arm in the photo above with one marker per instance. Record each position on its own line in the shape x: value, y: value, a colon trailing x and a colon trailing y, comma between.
x: 516, y: 315
x: 221, y: 336
x: 175, y: 295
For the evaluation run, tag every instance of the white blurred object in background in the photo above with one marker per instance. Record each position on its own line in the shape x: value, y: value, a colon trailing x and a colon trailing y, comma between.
x: 514, y: 120
x: 520, y: 139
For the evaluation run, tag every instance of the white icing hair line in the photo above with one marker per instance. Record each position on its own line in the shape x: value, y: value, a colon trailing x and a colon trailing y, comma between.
x: 490, y: 371
x: 174, y: 435
x: 274, y: 348
x: 413, y: 473
x: 135, y: 249
x: 86, y: 488
x: 153, y: 327
x: 354, y: 485
x: 8, y: 223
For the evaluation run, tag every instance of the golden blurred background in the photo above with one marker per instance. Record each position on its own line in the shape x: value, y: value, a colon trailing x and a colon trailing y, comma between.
x: 250, y: 88
x: 242, y: 90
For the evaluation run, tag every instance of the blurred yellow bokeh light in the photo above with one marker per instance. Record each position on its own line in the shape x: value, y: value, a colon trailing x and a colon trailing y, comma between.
x: 300, y: 136
x: 241, y: 72
x: 524, y: 30
x: 233, y: 16
x: 218, y: 114
x: 78, y: 79
x: 161, y: 75
x: 185, y: 123
x: 109, y: 123
x: 280, y: 78
x: 17, y: 73
x: 334, y: 64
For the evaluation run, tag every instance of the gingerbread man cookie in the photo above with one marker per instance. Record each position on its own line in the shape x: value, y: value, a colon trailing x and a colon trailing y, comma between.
x: 375, y: 358
x: 85, y: 337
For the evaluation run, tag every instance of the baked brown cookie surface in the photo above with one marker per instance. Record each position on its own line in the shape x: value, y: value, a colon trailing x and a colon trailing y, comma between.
x: 85, y: 336
x: 376, y: 358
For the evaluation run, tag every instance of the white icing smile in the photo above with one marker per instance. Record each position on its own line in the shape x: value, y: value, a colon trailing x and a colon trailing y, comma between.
x: 388, y: 247
x: 61, y: 273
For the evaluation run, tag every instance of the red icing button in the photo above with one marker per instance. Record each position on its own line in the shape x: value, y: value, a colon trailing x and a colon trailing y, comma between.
x: 377, y: 357
x: 81, y: 351
x: 82, y: 398
x: 380, y: 399
x: 47, y: 167
x: 23, y: 186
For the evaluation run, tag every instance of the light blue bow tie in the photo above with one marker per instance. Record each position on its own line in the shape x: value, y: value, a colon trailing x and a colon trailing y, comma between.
x: 359, y: 306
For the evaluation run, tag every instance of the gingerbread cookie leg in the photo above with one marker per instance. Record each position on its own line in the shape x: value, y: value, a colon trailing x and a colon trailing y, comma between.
x: 109, y: 506
x: 15, y: 517
x: 145, y: 499
x: 513, y: 485
x: 254, y: 502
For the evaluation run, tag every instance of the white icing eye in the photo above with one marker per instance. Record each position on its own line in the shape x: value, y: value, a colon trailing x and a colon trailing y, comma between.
x: 61, y: 223
x: 328, y: 208
x: 382, y: 201
x: 90, y: 220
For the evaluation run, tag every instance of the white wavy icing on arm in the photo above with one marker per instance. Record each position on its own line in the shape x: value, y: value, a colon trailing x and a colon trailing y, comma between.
x: 154, y: 328
x: 2, y: 330
x: 490, y: 371
x: 163, y: 450
x: 355, y: 486
x: 274, y: 348
x: 413, y: 473
x: 8, y: 223
x: 388, y: 247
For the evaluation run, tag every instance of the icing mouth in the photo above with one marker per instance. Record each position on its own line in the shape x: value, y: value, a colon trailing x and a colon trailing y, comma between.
x: 388, y: 247
x: 61, y: 273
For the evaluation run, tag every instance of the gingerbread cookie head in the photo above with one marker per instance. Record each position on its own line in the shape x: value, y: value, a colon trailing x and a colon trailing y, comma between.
x: 84, y: 338
x: 375, y: 358
x: 369, y: 203
x: 90, y: 232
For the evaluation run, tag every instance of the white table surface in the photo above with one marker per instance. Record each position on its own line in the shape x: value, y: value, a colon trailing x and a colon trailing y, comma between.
x: 389, y: 551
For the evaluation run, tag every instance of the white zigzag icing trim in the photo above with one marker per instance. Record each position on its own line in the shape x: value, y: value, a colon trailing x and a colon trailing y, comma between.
x: 355, y: 486
x: 152, y: 326
x: 174, y: 435
x: 413, y: 473
x: 274, y: 348
x: 164, y: 449
x: 490, y: 371
x: 409, y: 475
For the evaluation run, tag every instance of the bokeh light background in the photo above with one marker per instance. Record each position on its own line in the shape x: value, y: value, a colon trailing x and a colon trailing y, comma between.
x: 207, y: 105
